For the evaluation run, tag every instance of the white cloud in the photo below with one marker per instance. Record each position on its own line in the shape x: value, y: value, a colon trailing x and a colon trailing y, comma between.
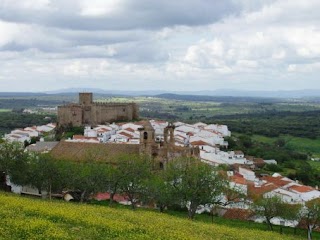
x: 189, y: 44
x: 96, y: 8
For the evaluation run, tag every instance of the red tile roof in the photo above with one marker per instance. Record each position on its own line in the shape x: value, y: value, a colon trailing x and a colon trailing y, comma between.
x: 129, y: 129
x: 237, y: 213
x: 80, y: 137
x: 276, y: 180
x: 254, y: 190
x: 238, y: 180
x: 197, y: 143
x: 103, y: 129
x: 106, y: 196
x: 301, y: 188
x: 126, y: 134
x: 160, y: 121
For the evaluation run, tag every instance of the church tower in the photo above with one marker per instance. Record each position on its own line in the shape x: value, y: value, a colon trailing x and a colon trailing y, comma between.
x: 147, y: 139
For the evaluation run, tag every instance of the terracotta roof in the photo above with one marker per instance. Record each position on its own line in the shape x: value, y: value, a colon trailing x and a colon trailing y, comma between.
x: 213, y: 131
x: 276, y: 180
x: 103, y: 129
x: 237, y: 213
x: 238, y: 180
x: 106, y: 196
x: 160, y: 121
x: 126, y: 134
x: 129, y: 129
x: 80, y: 137
x: 301, y: 188
x: 254, y: 190
x: 199, y: 142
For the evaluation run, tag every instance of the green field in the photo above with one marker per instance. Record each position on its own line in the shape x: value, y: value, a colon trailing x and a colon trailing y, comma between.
x: 23, y: 218
x: 4, y: 110
x: 304, y: 145
x: 315, y: 165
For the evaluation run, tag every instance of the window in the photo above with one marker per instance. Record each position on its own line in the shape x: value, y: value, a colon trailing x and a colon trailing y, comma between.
x: 145, y: 135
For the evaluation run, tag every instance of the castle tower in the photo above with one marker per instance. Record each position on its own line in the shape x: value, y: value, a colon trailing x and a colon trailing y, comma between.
x: 147, y: 139
x: 85, y: 99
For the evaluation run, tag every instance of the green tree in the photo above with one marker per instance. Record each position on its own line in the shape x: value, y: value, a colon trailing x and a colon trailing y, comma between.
x: 9, y: 153
x: 160, y: 191
x: 89, y: 178
x: 269, y: 208
x: 195, y: 183
x: 14, y: 162
x: 311, y: 214
x: 292, y: 212
x: 113, y: 180
x: 49, y: 174
x: 135, y: 171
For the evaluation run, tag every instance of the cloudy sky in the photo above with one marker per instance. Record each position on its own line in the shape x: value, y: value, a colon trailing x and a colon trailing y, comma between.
x: 167, y: 45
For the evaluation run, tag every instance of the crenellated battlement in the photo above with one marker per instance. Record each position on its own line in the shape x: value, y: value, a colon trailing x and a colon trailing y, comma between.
x: 112, y: 104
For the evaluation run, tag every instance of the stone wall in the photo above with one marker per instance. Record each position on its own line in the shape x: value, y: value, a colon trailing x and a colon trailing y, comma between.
x: 94, y: 113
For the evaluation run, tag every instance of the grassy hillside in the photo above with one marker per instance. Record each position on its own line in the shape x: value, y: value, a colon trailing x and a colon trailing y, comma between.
x: 23, y: 218
x: 304, y: 145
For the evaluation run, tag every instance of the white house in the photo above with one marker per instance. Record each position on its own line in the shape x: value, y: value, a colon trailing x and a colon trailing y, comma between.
x: 247, y: 174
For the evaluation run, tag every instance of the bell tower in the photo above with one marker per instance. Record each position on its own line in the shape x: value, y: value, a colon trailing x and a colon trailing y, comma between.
x: 147, y: 139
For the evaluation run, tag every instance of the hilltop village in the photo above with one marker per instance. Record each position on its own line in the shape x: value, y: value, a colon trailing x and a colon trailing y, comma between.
x: 162, y: 141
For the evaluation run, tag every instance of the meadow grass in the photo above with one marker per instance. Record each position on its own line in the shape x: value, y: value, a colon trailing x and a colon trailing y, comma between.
x: 24, y: 218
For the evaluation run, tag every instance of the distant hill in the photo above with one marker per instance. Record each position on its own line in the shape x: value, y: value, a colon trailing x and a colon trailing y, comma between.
x: 314, y: 94
x: 25, y: 218
x: 220, y: 92
x: 21, y: 94
x: 225, y: 99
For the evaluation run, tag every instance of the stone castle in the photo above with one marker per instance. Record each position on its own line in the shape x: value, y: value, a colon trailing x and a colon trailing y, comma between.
x: 87, y: 112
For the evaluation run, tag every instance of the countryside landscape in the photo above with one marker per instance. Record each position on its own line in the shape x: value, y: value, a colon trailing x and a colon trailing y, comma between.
x: 266, y: 128
x: 142, y: 119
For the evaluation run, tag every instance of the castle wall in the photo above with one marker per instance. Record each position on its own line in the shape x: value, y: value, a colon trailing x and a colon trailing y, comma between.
x: 94, y: 113
x: 71, y: 114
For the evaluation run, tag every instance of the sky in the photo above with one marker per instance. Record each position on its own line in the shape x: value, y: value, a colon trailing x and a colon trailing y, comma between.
x: 167, y: 45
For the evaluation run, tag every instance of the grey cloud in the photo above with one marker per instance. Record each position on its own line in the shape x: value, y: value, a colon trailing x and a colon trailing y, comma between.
x: 143, y: 14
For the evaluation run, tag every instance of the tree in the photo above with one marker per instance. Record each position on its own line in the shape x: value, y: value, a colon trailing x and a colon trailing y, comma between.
x: 89, y: 178
x: 293, y: 213
x: 135, y: 171
x: 114, y: 177
x: 160, y: 191
x: 195, y: 183
x: 14, y: 162
x: 9, y: 154
x: 271, y: 207
x: 49, y: 174
x: 311, y: 214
